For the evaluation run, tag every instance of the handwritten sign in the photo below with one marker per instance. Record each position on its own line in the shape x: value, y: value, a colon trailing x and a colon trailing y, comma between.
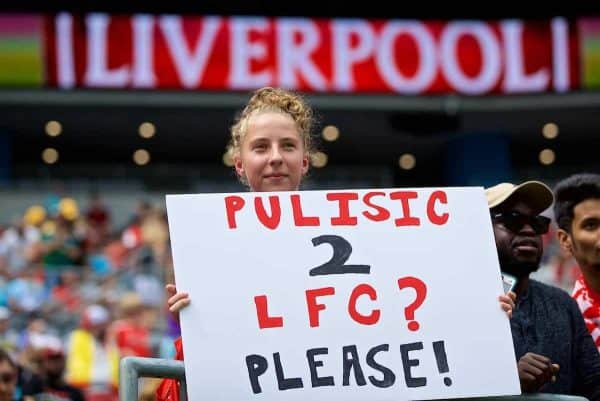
x: 387, y: 294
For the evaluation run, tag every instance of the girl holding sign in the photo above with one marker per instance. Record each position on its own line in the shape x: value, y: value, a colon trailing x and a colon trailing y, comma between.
x: 271, y: 147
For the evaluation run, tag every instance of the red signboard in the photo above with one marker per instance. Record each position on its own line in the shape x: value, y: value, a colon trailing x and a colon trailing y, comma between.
x: 313, y: 55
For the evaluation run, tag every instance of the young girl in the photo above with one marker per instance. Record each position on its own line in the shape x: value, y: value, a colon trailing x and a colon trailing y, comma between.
x: 271, y: 148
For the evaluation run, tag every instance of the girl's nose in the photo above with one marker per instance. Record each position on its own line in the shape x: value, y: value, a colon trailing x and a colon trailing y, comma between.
x: 275, y: 155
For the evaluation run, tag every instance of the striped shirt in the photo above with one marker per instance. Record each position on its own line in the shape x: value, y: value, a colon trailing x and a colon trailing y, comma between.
x: 589, y: 303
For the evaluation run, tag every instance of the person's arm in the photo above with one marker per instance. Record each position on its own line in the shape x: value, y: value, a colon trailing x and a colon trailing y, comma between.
x: 587, y: 358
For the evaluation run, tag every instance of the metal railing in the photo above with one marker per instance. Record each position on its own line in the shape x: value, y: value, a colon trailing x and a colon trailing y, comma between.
x: 132, y: 368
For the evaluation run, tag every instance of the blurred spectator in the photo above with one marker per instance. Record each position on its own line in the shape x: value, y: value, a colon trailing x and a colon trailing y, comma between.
x: 68, y: 209
x: 8, y: 377
x: 116, y: 252
x: 92, y: 361
x: 99, y: 261
x: 52, y: 368
x: 146, y: 277
x: 60, y: 245
x: 9, y: 338
x: 66, y: 301
x: 97, y: 214
x: 155, y: 234
x: 27, y: 292
x: 35, y: 332
x: 66, y: 293
x: 16, y: 382
x: 130, y: 332
x: 132, y: 234
x: 29, y: 384
x: 18, y: 242
x: 52, y: 201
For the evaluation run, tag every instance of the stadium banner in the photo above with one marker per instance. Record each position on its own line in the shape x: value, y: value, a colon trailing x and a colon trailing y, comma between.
x: 338, y: 55
x: 380, y: 294
x: 313, y: 55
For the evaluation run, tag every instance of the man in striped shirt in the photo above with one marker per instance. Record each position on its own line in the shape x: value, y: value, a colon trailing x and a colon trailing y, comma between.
x: 577, y: 213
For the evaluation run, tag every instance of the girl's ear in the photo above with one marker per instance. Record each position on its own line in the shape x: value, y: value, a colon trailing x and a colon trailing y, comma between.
x: 237, y: 162
x: 305, y: 163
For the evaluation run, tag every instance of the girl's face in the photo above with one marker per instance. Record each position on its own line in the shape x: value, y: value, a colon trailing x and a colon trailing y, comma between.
x: 272, y: 155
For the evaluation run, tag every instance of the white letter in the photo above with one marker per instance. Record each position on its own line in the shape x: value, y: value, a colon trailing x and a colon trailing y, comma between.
x: 515, y: 79
x: 98, y: 73
x: 293, y: 56
x: 387, y: 60
x: 560, y: 54
x: 344, y: 55
x: 242, y: 51
x: 64, y: 51
x: 143, y: 44
x: 490, y: 57
x: 190, y: 66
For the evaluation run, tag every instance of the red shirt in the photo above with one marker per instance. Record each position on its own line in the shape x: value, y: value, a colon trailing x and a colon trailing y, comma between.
x: 168, y: 390
x: 69, y: 298
x: 131, y: 339
x: 589, y: 304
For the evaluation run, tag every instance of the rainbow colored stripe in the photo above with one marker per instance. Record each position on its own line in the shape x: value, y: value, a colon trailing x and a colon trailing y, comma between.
x: 589, y: 34
x: 21, y: 50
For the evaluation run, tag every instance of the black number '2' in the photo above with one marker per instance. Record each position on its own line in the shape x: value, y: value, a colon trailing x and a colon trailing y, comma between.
x: 341, y: 252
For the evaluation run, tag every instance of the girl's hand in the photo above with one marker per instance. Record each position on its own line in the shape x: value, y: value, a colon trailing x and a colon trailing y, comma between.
x: 177, y: 300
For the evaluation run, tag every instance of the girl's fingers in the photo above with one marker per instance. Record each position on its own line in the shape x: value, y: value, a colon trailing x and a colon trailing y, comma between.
x: 177, y: 300
x: 177, y: 306
x: 171, y: 289
x: 177, y: 297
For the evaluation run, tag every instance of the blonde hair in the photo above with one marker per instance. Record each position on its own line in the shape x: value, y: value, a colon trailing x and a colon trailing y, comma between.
x: 276, y: 100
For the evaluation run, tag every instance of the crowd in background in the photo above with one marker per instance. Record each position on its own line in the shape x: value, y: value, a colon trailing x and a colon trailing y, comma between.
x: 74, y: 286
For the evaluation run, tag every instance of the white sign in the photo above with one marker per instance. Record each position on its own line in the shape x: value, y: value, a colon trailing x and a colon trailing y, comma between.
x: 386, y: 294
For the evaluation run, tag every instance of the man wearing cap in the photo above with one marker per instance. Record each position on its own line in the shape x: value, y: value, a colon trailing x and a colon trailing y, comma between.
x: 52, y: 368
x: 555, y: 353
x: 577, y: 213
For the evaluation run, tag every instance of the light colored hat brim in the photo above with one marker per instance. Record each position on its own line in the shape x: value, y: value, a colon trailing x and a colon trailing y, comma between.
x: 535, y: 194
